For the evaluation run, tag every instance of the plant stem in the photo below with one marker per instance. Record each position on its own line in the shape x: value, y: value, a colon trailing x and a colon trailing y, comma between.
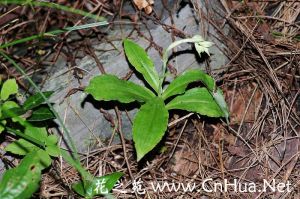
x: 52, y: 33
x: 69, y: 141
x: 72, y: 160
x: 55, y: 6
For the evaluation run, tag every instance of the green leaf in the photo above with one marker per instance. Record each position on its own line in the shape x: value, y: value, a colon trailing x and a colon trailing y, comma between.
x: 139, y: 59
x: 9, y: 105
x: 219, y: 98
x: 78, y: 187
x: 99, y: 186
x: 40, y: 114
x: 36, y: 100
x: 109, y: 87
x: 102, y: 185
x: 51, y: 139
x: 77, y: 165
x: 179, y: 84
x: 51, y: 146
x: 197, y: 100
x: 149, y: 126
x: 45, y: 159
x: 37, y: 133
x: 1, y: 128
x: 21, y: 182
x: 21, y: 147
x: 13, y: 112
x: 53, y: 150
x: 11, y: 109
x: 9, y: 87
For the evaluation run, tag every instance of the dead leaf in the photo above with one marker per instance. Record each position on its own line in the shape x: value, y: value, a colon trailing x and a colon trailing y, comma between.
x: 241, y: 99
x: 144, y: 4
x: 237, y: 150
x: 185, y: 162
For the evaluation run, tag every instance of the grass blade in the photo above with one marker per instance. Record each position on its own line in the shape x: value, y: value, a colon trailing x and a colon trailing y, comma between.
x: 53, y: 33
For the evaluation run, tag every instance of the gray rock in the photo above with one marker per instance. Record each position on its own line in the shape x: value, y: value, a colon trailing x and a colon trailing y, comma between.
x: 84, y: 121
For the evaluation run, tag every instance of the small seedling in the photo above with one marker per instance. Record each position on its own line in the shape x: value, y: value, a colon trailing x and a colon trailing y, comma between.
x: 151, y: 121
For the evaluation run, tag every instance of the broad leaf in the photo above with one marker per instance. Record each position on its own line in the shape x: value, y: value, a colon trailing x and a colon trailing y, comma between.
x: 51, y: 146
x: 41, y: 114
x: 21, y: 182
x: 149, y: 126
x: 1, y: 128
x: 99, y: 186
x: 76, y: 164
x: 78, y: 187
x: 37, y: 133
x: 219, y: 98
x: 9, y: 87
x: 13, y: 112
x: 23, y: 147
x: 102, y: 185
x: 44, y: 158
x: 11, y: 109
x: 179, y: 84
x: 36, y: 100
x: 139, y: 59
x: 197, y: 100
x: 109, y: 87
x: 9, y: 105
x: 53, y: 150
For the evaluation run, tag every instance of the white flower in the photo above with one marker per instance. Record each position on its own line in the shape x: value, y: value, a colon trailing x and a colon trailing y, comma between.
x: 201, y: 45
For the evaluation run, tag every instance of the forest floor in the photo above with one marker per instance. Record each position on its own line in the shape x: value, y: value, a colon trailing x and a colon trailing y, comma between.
x: 261, y: 84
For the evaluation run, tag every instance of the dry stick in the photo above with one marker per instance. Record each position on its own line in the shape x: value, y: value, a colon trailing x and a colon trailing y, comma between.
x: 268, y: 17
x: 177, y: 140
x: 123, y: 144
x: 245, y: 112
x: 296, y: 156
x: 259, y: 122
x: 171, y: 124
x: 119, y: 127
x: 205, y: 140
x: 84, y: 123
x: 243, y: 140
x: 92, y: 53
x: 102, y: 70
x: 242, y: 47
x: 252, y: 40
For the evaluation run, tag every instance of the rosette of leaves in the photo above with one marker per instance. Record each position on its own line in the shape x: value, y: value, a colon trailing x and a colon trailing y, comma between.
x: 151, y: 121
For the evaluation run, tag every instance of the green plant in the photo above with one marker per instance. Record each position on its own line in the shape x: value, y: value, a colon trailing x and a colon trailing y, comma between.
x: 33, y: 3
x: 37, y: 147
x: 22, y: 181
x: 150, y: 123
x: 35, y: 144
